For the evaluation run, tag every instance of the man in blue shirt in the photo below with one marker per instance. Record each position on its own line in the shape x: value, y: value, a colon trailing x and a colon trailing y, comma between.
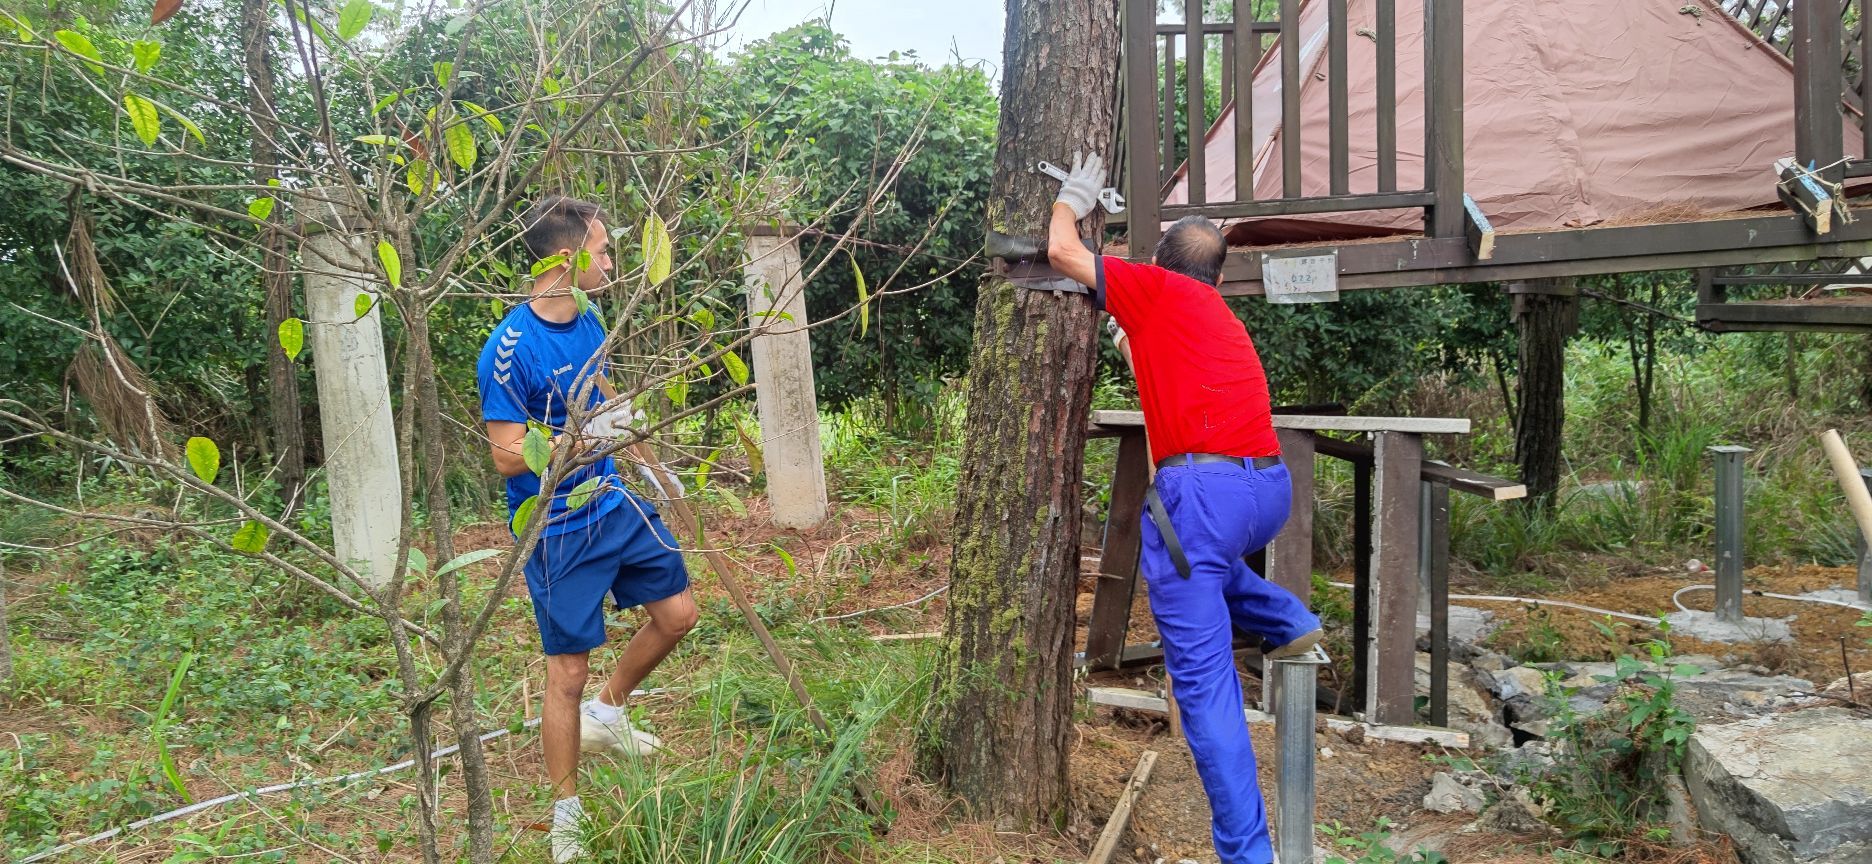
x: 543, y: 356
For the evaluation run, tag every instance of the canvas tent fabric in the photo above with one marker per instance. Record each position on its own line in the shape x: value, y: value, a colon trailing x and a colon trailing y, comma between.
x: 1575, y: 114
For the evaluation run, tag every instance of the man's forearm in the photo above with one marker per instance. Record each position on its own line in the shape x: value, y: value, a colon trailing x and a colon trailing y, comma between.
x: 1065, y: 251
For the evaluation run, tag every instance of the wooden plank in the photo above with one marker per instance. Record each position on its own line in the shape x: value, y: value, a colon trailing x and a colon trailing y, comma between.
x: 1139, y: 700
x: 1436, y: 518
x: 1121, y: 814
x: 1196, y: 104
x: 1795, y: 279
x: 1300, y: 206
x: 1387, y: 95
x: 1474, y: 483
x: 1742, y: 317
x: 1214, y: 27
x: 1443, y: 116
x: 1141, y: 155
x: 1392, y: 650
x: 1477, y: 228
x: 1227, y: 82
x: 1112, y: 594
x: 1411, y: 261
x: 1248, y: 44
x: 1112, y: 424
x: 1818, y: 82
x: 1338, y: 141
x: 1319, y: 422
x: 1802, y: 195
x: 1361, y: 583
x: 1290, y: 98
x: 1169, y: 112
x: 1290, y: 556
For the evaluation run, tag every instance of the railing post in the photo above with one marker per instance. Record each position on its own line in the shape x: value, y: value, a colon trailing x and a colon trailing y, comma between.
x: 1865, y: 551
x: 1818, y: 86
x: 1729, y: 531
x: 1435, y: 558
x: 1144, y: 195
x: 1443, y: 118
x: 1294, y: 691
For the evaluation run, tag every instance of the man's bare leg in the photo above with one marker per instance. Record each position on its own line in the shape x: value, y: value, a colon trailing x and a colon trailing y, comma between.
x: 559, y: 720
x: 670, y: 620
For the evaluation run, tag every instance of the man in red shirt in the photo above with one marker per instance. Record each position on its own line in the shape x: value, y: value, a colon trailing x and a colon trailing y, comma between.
x: 1220, y: 491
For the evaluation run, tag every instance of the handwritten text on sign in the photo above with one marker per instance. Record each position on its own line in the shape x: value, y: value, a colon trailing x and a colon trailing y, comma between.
x: 1300, y: 278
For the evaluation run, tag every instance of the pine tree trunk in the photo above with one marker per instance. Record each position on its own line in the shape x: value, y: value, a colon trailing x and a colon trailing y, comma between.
x: 1004, y: 680
x: 1544, y: 321
x: 287, y: 426
x: 6, y: 642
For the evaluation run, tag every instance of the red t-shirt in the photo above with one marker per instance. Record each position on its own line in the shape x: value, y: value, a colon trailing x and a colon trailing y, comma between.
x: 1198, y: 375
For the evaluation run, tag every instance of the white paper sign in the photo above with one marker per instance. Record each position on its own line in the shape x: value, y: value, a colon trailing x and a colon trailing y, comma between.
x: 1300, y: 278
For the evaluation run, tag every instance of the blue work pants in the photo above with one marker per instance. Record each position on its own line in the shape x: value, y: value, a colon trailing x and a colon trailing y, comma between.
x: 1221, y: 512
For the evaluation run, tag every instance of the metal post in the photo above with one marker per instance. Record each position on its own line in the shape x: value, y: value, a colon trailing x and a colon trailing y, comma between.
x: 1295, y: 679
x: 1865, y: 552
x: 1729, y: 531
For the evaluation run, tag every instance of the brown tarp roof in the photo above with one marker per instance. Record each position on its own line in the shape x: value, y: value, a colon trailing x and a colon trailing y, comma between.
x: 1576, y: 113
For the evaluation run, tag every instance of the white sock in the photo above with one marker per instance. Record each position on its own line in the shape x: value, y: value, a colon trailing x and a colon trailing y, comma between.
x: 567, y: 811
x: 606, y: 714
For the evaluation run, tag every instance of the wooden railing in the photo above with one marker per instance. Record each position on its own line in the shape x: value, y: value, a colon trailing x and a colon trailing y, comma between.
x: 1150, y: 140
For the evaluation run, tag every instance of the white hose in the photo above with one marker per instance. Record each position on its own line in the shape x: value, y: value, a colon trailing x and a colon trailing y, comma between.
x: 928, y: 596
x: 199, y: 806
x: 1536, y: 601
x: 1842, y: 603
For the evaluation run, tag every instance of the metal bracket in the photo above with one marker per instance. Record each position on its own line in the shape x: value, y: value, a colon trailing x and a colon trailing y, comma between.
x: 1038, y: 276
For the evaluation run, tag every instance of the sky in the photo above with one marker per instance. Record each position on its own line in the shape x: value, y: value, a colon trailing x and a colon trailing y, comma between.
x: 937, y: 31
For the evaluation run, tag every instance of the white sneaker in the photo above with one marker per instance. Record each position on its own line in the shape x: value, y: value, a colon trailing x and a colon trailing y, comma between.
x: 619, y: 738
x: 567, y: 835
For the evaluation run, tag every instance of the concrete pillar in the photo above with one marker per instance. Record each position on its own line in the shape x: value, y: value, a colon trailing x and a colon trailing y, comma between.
x: 353, y: 383
x: 782, y: 354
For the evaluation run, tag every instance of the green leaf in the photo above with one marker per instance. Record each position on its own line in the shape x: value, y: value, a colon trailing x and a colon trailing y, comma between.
x: 143, y: 117
x: 582, y: 493
x: 487, y: 117
x: 546, y: 263
x: 703, y: 318
x: 392, y: 263
x: 461, y: 145
x: 361, y: 306
x: 678, y: 392
x: 757, y: 463
x: 1687, y: 670
x: 582, y: 261
x: 352, y: 20
x: 705, y: 469
x: 193, y: 130
x: 260, y: 208
x: 147, y: 52
x: 379, y: 140
x: 455, y: 24
x: 418, y: 561
x: 584, y: 302
x: 864, y: 299
x: 469, y: 558
x: 522, y: 514
x: 204, y: 458
x: 80, y: 44
x: 292, y: 337
x: 656, y: 245
x: 418, y: 169
x: 443, y: 71
x: 386, y: 102
x: 737, y: 370
x: 792, y: 569
x: 251, y: 538
x: 733, y: 502
x: 536, y: 449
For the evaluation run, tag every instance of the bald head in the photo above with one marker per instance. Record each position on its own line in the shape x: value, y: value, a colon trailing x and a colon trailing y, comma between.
x: 1195, y: 248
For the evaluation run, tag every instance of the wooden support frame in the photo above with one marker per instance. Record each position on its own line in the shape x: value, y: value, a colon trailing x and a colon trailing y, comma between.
x: 1436, y: 515
x: 1392, y: 588
x: 1477, y: 228
x: 1118, y: 566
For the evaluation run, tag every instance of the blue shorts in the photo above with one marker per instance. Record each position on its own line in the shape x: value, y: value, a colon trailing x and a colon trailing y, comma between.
x: 627, y: 553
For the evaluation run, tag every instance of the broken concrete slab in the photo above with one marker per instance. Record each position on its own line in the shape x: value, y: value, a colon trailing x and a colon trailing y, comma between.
x: 1469, y: 708
x: 1742, y: 692
x: 1790, y: 788
x: 1449, y: 796
x: 1707, y: 627
x: 1467, y: 625
x: 1517, y: 682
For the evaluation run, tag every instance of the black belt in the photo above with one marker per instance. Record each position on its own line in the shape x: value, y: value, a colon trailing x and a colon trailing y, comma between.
x: 1258, y: 463
x: 1162, y: 517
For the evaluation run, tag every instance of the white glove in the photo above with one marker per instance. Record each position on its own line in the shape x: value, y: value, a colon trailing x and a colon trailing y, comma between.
x: 1080, y: 190
x: 1117, y: 332
x: 673, y: 484
x: 612, y: 423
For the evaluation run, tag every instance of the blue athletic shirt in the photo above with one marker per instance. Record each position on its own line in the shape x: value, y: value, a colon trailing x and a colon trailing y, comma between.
x: 529, y: 368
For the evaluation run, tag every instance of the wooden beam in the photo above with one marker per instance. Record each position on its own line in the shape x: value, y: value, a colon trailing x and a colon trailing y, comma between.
x: 1361, y: 583
x: 1138, y: 700
x: 1118, y: 564
x: 1436, y: 518
x: 1474, y: 483
x: 1819, y: 81
x: 1741, y: 317
x: 1119, y: 420
x: 1480, y: 233
x: 1804, y: 196
x: 1302, y: 206
x: 1121, y: 814
x: 1290, y: 556
x: 1444, y: 72
x: 1141, y: 155
x: 1390, y: 687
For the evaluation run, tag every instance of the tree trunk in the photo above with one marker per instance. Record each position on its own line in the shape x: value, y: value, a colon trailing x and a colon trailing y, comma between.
x: 6, y: 642
x: 1544, y: 321
x: 1004, y: 679
x: 288, y: 428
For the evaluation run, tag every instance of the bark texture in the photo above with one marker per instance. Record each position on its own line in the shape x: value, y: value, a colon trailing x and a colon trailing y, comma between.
x: 1544, y: 322
x: 286, y: 426
x: 1004, y: 681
